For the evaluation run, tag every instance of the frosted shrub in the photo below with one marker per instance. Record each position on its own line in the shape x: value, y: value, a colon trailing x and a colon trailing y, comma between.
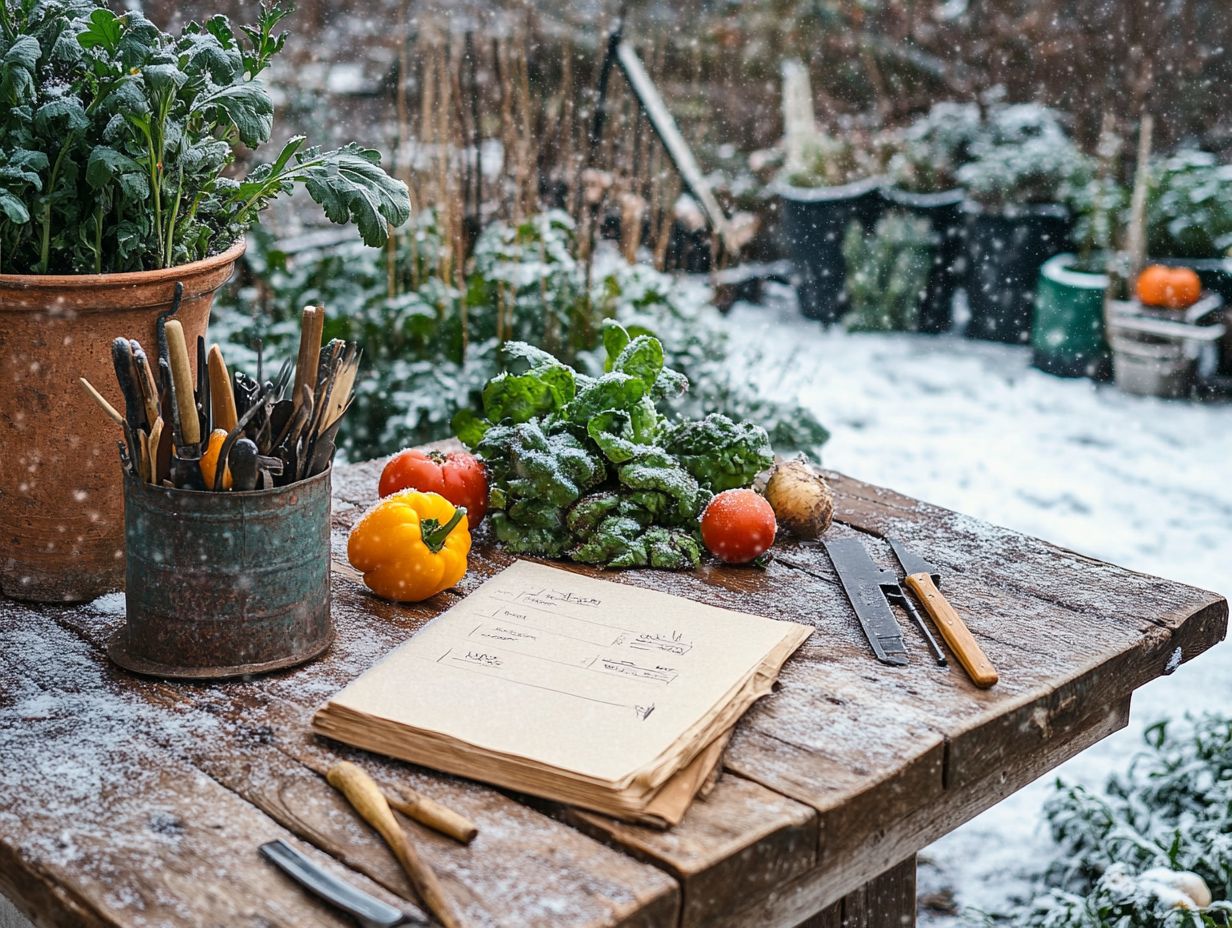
x: 833, y: 159
x: 431, y: 340
x: 887, y: 272
x: 1022, y: 157
x: 928, y: 153
x: 1148, y: 853
x: 1189, y: 209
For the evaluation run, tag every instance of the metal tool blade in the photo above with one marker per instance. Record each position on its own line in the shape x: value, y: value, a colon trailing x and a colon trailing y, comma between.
x: 865, y: 584
x: 900, y: 598
x: 912, y: 562
x: 368, y: 909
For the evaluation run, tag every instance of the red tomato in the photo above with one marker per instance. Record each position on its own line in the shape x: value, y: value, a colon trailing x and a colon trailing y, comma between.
x: 457, y: 476
x: 738, y: 526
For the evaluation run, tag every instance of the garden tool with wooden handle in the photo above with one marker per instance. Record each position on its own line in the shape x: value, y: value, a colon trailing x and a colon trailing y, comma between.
x: 923, y: 579
x: 186, y: 425
x: 222, y: 396
x: 367, y: 799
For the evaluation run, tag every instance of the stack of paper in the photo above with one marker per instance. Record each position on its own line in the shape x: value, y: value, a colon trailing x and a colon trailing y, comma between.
x: 598, y: 694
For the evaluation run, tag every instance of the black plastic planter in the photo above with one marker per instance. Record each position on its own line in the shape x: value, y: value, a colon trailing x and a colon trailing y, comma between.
x: 1005, y: 251
x: 814, y: 222
x: 944, y: 212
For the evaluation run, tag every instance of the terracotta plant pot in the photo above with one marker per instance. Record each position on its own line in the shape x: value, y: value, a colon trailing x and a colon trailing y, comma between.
x: 61, y: 499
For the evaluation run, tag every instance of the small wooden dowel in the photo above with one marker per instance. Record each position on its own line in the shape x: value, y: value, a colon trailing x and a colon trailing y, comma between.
x: 432, y: 814
x: 102, y: 402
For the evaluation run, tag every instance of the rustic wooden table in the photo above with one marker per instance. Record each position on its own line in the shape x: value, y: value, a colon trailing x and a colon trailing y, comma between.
x: 134, y: 802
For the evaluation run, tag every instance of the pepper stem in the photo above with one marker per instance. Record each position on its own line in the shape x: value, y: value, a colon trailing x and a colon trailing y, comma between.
x: 435, y: 534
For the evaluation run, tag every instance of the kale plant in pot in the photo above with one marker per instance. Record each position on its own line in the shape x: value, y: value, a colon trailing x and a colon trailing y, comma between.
x: 1022, y: 172
x: 117, y: 143
x: 923, y: 179
x: 1067, y: 334
x: 1189, y: 224
x: 834, y: 182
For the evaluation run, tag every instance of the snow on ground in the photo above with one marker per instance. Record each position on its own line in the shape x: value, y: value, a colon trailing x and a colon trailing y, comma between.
x: 972, y: 427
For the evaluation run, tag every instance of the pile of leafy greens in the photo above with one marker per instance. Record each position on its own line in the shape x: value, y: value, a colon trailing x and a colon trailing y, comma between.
x: 588, y: 467
x: 115, y: 140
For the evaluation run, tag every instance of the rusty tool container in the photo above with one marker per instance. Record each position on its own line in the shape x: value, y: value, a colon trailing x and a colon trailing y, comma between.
x: 225, y: 584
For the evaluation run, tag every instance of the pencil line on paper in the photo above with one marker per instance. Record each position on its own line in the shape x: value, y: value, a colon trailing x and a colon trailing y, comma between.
x: 548, y: 631
x: 538, y: 686
x: 563, y: 615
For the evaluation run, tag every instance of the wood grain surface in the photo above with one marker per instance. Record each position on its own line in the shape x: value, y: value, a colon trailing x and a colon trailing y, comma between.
x: 142, y: 802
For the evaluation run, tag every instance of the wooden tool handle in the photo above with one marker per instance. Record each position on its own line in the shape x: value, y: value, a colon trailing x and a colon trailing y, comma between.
x: 112, y: 413
x: 222, y: 395
x: 432, y: 814
x: 145, y: 380
x: 181, y: 374
x: 953, y: 630
x: 312, y: 325
x: 158, y: 464
x: 363, y: 793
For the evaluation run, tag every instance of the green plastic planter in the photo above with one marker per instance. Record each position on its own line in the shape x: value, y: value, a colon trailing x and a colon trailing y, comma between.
x: 1067, y: 336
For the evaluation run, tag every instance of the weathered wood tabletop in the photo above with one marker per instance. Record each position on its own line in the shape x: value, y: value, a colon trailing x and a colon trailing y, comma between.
x: 134, y: 802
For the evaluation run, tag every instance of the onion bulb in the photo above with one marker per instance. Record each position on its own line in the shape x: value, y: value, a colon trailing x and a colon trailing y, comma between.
x: 800, y: 497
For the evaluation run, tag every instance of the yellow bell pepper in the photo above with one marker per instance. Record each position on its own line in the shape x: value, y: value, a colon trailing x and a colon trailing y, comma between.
x: 410, y: 546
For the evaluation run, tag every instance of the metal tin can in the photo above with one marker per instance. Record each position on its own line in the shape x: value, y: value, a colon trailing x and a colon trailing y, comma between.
x: 224, y: 584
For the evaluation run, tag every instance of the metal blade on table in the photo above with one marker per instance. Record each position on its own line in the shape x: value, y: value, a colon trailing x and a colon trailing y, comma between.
x: 912, y: 562
x: 898, y: 597
x: 864, y: 583
x: 368, y: 909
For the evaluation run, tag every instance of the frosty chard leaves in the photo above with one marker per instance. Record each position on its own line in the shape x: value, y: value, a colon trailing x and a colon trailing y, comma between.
x: 116, y: 139
x: 588, y: 468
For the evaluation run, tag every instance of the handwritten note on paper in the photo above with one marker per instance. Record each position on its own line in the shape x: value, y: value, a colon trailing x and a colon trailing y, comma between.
x: 567, y: 671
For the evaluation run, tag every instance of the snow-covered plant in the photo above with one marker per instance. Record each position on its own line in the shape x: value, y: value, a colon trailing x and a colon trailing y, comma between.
x: 1189, y: 207
x: 831, y: 159
x: 1098, y: 207
x: 1024, y: 156
x: 928, y: 153
x: 887, y: 272
x: 1156, y: 850
x: 431, y: 343
x: 117, y: 139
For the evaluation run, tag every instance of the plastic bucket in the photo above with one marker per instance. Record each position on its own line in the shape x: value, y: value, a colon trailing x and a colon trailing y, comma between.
x: 1005, y: 252
x: 1067, y: 337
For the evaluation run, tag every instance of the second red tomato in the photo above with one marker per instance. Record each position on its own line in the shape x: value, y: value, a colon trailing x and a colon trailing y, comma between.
x: 457, y: 476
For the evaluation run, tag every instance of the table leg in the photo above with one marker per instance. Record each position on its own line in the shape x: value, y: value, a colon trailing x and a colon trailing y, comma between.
x: 885, y: 902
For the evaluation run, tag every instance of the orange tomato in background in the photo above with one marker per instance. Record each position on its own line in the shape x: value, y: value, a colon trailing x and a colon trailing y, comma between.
x: 1169, y: 287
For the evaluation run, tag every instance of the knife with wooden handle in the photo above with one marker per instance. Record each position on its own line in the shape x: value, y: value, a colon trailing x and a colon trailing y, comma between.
x: 922, y: 579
